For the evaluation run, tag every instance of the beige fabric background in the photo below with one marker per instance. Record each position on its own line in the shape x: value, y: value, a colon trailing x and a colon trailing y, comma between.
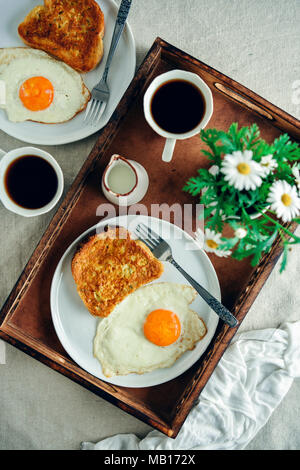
x: 255, y: 42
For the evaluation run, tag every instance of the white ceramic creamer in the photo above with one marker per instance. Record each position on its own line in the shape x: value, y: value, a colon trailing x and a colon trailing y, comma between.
x: 124, y: 182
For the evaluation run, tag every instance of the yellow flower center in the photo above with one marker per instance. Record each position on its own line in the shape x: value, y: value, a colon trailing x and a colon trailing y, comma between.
x: 244, y: 168
x: 212, y: 244
x: 286, y: 199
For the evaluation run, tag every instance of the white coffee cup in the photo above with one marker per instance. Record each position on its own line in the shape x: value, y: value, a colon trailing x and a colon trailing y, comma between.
x: 6, y: 158
x: 171, y: 138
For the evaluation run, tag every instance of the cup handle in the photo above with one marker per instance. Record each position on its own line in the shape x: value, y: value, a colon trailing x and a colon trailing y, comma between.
x: 168, y: 150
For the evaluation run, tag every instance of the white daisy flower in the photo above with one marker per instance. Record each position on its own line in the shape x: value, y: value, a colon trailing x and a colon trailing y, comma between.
x: 284, y: 200
x: 210, y: 241
x: 296, y: 173
x: 268, y: 163
x: 240, y: 232
x: 214, y: 170
x: 241, y: 171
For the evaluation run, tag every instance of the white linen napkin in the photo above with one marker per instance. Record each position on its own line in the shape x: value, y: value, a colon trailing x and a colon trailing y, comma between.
x: 254, y: 374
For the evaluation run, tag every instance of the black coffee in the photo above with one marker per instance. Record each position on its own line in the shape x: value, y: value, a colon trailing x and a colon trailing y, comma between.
x: 177, y: 106
x: 31, y: 182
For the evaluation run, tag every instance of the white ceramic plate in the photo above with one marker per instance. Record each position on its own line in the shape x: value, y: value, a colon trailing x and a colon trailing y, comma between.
x: 76, y: 327
x: 121, y: 73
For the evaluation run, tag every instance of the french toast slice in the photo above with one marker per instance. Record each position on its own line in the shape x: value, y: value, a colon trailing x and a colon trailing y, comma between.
x: 109, y: 266
x: 70, y: 30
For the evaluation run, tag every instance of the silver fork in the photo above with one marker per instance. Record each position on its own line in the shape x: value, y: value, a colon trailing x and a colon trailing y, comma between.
x: 162, y: 250
x: 100, y: 92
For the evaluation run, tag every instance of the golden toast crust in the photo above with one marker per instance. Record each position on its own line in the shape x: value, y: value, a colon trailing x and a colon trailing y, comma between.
x: 70, y: 30
x: 109, y: 266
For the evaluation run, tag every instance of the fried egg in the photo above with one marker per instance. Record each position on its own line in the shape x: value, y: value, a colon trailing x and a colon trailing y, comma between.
x: 40, y: 88
x: 148, y: 330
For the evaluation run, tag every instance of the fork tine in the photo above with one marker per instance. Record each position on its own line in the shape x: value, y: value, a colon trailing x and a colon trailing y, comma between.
x: 152, y: 235
x: 95, y: 110
x: 144, y: 232
x: 141, y: 232
x: 94, y: 104
x: 87, y: 111
x: 147, y: 243
x: 99, y: 113
x: 146, y: 239
x: 90, y: 109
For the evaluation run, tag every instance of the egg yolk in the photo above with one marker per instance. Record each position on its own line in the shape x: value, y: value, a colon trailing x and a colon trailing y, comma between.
x: 162, y: 327
x: 36, y: 93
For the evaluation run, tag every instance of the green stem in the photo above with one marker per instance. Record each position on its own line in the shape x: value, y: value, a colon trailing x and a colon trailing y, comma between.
x: 280, y: 227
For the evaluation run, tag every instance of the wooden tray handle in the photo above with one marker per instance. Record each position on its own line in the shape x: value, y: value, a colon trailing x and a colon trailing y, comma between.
x: 242, y: 100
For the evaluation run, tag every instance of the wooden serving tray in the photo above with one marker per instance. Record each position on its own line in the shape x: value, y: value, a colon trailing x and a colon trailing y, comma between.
x: 25, y: 320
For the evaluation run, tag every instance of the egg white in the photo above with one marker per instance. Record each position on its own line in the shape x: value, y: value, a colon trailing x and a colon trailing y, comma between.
x: 120, y: 344
x: 21, y: 63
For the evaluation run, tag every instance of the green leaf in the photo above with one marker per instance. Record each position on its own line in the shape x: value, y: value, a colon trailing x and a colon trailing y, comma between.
x: 284, y: 257
x: 194, y: 185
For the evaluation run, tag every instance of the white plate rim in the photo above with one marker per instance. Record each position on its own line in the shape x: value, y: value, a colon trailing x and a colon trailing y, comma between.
x: 119, y: 220
x: 84, y: 132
